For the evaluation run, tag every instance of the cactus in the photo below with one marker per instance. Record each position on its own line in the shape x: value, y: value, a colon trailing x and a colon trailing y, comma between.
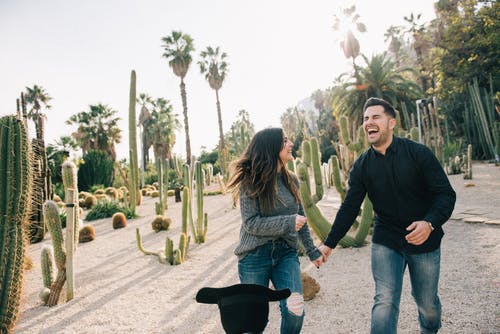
x: 201, y: 219
x: 413, y: 135
x: 320, y: 225
x: 46, y: 263
x: 161, y: 223
x: 70, y: 181
x: 159, y: 206
x: 86, y: 234
x: 15, y: 190
x: 53, y: 222
x: 336, y: 176
x: 119, y: 220
x: 132, y: 126
x: 316, y: 165
x: 468, y: 164
x: 306, y: 152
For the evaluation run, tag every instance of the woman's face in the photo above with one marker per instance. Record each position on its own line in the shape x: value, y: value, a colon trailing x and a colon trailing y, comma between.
x: 286, y: 151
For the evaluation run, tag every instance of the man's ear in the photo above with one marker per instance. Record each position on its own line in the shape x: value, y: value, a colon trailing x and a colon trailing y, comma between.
x: 392, y: 123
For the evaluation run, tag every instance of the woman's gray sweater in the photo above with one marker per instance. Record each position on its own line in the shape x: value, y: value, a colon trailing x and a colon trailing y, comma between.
x: 258, y: 228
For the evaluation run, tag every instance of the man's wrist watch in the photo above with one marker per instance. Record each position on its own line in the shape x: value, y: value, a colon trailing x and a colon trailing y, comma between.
x: 430, y: 225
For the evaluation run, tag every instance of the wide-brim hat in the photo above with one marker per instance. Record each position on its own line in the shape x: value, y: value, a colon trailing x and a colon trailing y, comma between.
x: 244, y: 308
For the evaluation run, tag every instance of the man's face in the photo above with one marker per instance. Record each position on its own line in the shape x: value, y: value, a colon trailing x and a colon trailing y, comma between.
x: 378, y: 126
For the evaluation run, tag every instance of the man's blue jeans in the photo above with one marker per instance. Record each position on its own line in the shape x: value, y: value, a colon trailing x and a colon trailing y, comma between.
x: 388, y: 267
x: 277, y: 262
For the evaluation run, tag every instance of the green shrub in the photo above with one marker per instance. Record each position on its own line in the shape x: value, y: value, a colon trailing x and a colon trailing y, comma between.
x: 97, y: 168
x: 105, y: 209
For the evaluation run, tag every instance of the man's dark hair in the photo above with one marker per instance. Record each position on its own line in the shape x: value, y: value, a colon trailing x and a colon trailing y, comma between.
x: 375, y: 101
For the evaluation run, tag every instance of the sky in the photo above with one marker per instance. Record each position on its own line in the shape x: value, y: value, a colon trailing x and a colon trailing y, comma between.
x: 279, y: 53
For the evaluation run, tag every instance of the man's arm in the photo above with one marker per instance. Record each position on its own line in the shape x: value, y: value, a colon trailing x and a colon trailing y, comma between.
x: 439, y: 189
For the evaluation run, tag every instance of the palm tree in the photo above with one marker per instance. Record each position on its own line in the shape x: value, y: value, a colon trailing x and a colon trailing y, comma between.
x: 97, y: 129
x: 146, y: 103
x: 346, y: 23
x: 162, y: 128
x: 178, y: 48
x: 214, y: 67
x: 380, y: 78
x: 36, y: 97
x: 421, y: 46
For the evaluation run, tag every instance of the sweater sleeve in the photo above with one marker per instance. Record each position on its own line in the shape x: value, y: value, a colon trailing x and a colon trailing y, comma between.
x: 254, y: 223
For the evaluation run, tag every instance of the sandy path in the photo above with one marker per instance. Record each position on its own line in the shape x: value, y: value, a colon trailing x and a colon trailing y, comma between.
x: 120, y: 290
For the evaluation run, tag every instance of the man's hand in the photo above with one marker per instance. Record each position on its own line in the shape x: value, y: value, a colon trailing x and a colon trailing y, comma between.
x: 318, y: 262
x: 420, y: 231
x: 299, y: 222
x: 325, y: 251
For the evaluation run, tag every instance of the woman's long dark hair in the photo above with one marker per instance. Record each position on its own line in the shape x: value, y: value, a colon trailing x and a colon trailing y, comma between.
x: 257, y: 169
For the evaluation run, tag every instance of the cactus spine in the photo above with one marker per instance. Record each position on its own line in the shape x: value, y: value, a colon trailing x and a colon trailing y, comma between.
x: 132, y: 126
x: 15, y: 187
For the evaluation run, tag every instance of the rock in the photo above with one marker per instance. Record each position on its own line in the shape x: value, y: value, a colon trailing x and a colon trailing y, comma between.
x: 474, y: 220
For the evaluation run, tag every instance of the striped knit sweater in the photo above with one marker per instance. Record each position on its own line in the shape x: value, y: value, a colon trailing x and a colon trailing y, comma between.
x: 258, y: 228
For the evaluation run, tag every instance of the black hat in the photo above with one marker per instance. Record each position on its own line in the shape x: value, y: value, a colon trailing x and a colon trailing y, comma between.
x: 243, y: 307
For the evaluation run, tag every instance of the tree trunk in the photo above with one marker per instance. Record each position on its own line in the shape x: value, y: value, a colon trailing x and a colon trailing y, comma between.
x: 186, y: 122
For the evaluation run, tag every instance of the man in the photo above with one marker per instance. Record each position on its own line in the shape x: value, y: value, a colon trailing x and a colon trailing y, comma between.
x: 412, y: 198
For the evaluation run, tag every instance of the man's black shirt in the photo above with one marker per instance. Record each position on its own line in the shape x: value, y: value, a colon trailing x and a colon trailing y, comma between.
x: 406, y: 184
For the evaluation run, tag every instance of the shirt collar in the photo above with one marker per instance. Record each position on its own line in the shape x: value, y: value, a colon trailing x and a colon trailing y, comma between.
x: 390, y: 150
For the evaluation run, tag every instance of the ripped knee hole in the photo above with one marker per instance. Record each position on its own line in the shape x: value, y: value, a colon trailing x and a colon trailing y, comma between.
x: 295, y: 303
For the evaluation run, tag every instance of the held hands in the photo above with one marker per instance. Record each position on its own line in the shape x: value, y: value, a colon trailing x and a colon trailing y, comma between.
x: 325, y: 253
x: 420, y: 231
x: 299, y: 222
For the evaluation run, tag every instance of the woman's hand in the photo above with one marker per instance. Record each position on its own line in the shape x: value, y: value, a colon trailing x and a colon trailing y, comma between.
x: 299, y: 222
x: 318, y: 262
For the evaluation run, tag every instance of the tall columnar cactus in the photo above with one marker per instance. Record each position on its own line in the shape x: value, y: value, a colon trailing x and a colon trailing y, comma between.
x: 337, y: 178
x: 70, y: 181
x: 132, y: 126
x: 53, y: 222
x: 46, y: 263
x: 306, y: 152
x: 15, y: 200
x: 202, y: 218
x: 320, y: 225
x: 316, y: 166
x: 413, y: 135
x: 159, y: 206
x: 468, y: 165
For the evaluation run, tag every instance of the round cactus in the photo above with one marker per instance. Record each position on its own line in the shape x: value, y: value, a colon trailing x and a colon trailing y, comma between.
x: 119, y: 220
x: 89, y: 201
x: 86, y: 234
x: 161, y: 223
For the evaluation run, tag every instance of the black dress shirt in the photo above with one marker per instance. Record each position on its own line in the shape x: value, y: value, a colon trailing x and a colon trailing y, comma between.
x: 406, y: 184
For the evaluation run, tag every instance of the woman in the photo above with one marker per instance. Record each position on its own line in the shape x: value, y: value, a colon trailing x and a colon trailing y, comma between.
x: 272, y: 222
